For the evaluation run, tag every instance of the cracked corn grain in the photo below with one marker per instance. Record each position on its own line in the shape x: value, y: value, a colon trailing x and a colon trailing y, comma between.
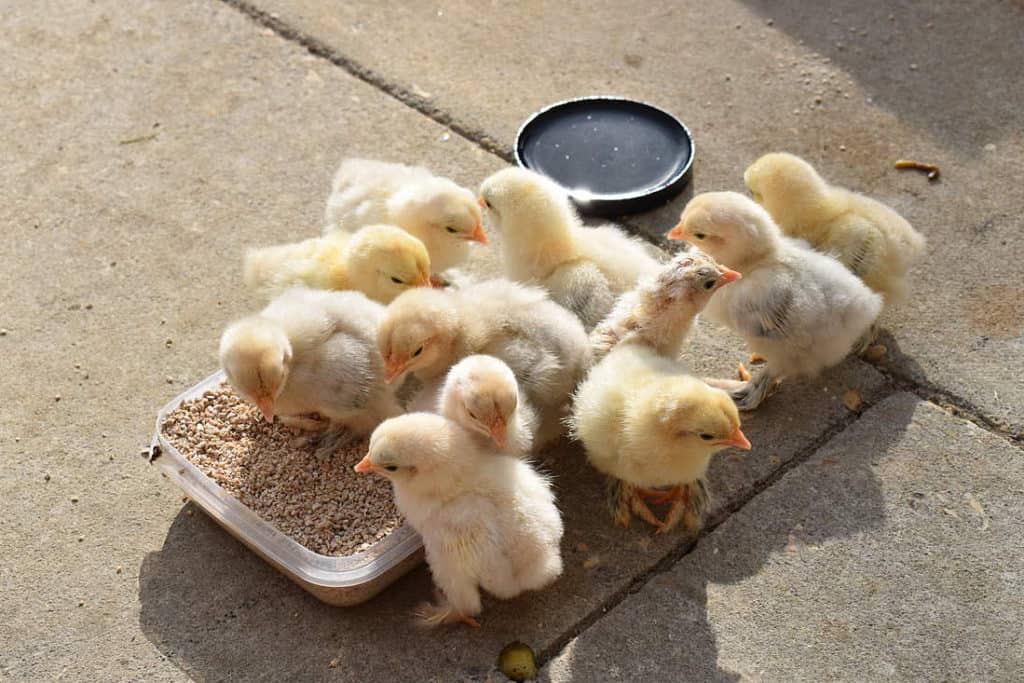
x: 318, y: 501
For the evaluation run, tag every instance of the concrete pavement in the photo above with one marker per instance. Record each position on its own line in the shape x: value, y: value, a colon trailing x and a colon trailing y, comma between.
x: 146, y: 146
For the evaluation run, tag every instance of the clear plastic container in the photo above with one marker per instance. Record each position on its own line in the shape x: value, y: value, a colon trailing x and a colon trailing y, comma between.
x: 346, y: 580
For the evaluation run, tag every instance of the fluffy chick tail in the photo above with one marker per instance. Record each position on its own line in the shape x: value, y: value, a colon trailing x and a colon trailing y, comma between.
x: 314, y: 262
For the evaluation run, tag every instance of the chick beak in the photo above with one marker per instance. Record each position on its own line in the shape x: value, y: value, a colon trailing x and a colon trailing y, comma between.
x: 364, y: 465
x: 728, y: 276
x: 266, y: 406
x: 678, y: 232
x: 736, y: 440
x: 499, y: 432
x: 478, y: 234
x: 424, y: 281
x: 481, y: 202
x: 393, y: 369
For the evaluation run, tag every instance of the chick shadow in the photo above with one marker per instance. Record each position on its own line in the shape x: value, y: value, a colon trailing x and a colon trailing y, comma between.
x: 218, y: 612
x: 834, y: 495
x: 926, y: 62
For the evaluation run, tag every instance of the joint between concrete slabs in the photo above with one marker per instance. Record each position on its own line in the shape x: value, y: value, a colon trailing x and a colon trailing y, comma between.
x: 712, y: 523
x: 371, y: 77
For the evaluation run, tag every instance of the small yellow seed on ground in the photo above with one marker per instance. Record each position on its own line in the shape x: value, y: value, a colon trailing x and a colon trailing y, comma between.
x: 852, y: 399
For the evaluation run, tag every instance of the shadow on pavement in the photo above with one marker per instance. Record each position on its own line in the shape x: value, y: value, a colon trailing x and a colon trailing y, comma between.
x: 836, y: 495
x: 901, y: 53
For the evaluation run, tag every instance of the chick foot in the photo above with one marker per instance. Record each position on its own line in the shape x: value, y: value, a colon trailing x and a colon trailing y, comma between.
x: 742, y: 373
x: 435, y: 615
x: 689, y: 508
x: 754, y: 391
x: 309, y: 422
x: 867, y: 339
x: 626, y: 501
x: 659, y: 496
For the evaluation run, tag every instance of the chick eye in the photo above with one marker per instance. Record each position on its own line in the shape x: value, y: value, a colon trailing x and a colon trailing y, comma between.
x: 471, y: 415
x: 397, y: 280
x: 699, y: 235
x: 709, y: 284
x: 417, y: 352
x: 706, y: 437
x: 450, y: 229
x: 391, y: 468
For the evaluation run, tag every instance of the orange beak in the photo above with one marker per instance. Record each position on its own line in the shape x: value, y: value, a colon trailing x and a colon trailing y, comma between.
x: 499, y: 432
x: 266, y: 406
x: 424, y: 280
x: 478, y: 234
x: 728, y: 276
x: 393, y: 369
x: 481, y: 202
x: 736, y: 440
x: 678, y: 232
x: 364, y: 465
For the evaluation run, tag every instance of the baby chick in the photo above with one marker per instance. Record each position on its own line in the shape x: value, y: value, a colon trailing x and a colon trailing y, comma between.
x: 866, y: 236
x: 441, y: 214
x: 381, y: 261
x: 545, y: 243
x: 645, y: 423
x: 660, y: 311
x: 487, y: 520
x: 797, y: 308
x: 481, y: 394
x: 310, y: 357
x: 426, y: 331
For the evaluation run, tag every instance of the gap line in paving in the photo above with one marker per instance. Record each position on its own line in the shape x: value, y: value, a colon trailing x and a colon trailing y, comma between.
x: 712, y: 523
x: 371, y: 77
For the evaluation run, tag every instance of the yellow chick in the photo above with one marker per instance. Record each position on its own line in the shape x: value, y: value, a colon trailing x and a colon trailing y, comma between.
x: 427, y: 331
x: 873, y: 241
x: 487, y: 520
x: 797, y: 308
x: 381, y: 261
x: 310, y: 358
x: 481, y: 394
x: 436, y: 211
x: 662, y: 308
x: 645, y: 423
x: 544, y: 242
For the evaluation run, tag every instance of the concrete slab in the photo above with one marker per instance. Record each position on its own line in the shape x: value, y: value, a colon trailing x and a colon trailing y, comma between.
x: 143, y: 162
x: 887, y: 556
x: 852, y: 86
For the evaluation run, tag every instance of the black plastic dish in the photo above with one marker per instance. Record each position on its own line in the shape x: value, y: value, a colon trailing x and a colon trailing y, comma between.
x: 614, y: 156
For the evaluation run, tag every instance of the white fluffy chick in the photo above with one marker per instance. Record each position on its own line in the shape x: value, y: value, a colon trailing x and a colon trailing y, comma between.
x: 544, y: 242
x: 310, y: 357
x: 435, y: 210
x: 866, y: 236
x: 381, y: 261
x: 645, y: 423
x: 487, y: 520
x: 481, y: 393
x: 427, y: 331
x: 661, y: 310
x: 800, y: 310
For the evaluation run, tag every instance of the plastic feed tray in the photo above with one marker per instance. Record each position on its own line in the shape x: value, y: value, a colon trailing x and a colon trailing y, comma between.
x: 345, y: 580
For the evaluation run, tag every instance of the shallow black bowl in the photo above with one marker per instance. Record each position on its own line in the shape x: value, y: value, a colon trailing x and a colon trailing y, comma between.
x: 614, y: 156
